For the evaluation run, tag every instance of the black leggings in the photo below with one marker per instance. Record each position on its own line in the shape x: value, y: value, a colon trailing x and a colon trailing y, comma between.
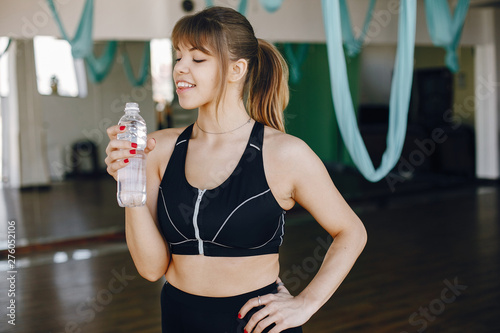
x: 187, y: 313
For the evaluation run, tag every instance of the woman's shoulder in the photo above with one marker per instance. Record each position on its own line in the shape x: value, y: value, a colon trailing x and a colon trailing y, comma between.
x: 290, y: 154
x: 284, y: 145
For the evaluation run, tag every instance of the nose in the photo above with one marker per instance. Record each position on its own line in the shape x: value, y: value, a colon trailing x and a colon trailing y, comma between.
x: 181, y: 67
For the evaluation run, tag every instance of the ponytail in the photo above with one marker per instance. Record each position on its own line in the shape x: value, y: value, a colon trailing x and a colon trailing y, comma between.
x: 267, y: 87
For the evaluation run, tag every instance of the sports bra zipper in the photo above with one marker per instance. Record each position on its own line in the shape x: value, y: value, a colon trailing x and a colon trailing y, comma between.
x: 195, y: 221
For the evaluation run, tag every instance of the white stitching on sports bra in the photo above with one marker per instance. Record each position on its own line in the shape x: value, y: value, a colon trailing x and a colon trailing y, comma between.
x: 180, y: 142
x: 256, y: 247
x: 255, y: 146
x: 166, y: 210
x: 241, y: 204
x: 184, y: 241
x: 250, y: 248
x: 282, y: 228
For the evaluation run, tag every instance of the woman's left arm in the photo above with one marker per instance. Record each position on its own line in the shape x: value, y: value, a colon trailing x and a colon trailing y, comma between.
x: 313, y: 189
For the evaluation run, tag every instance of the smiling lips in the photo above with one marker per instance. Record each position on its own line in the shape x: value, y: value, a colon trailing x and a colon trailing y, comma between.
x: 183, y: 85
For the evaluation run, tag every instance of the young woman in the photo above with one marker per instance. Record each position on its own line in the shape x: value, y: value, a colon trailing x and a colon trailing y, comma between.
x: 218, y: 190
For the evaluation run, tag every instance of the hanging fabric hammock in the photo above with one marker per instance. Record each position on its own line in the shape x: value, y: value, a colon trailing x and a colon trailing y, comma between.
x: 271, y: 5
x: 444, y: 30
x: 400, y: 89
x: 99, y: 68
x: 352, y: 44
x: 82, y: 47
x: 144, y: 69
x: 81, y: 44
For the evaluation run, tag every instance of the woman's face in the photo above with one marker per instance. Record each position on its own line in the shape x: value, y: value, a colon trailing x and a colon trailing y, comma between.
x: 196, y: 77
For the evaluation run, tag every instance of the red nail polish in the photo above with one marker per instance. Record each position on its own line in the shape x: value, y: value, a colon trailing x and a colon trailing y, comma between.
x: 132, y: 151
x: 125, y: 160
x: 134, y: 145
x: 245, y: 331
x: 122, y: 128
x: 239, y: 315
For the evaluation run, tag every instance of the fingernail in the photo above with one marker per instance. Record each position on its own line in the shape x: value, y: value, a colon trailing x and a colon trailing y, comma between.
x: 122, y: 128
x: 154, y: 139
x: 134, y: 145
x: 245, y: 331
x: 239, y: 315
x: 125, y: 160
x: 132, y: 151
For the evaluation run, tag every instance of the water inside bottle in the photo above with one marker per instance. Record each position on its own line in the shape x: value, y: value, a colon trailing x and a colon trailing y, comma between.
x: 131, y: 183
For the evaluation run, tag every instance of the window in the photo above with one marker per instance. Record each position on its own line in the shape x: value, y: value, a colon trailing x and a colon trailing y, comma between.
x: 55, y: 67
x: 161, y: 71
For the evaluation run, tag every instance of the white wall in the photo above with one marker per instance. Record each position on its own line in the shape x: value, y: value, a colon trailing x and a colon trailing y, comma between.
x: 113, y: 19
x: 32, y: 134
x: 11, y: 171
x: 297, y: 20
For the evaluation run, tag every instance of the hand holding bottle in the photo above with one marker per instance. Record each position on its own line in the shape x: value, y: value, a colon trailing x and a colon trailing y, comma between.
x: 119, y: 152
x: 131, y: 170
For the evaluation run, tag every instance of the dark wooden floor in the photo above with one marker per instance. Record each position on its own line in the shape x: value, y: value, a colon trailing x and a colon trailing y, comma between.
x: 432, y: 264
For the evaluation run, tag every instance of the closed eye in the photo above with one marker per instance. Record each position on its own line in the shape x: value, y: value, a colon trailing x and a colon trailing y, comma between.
x: 198, y: 61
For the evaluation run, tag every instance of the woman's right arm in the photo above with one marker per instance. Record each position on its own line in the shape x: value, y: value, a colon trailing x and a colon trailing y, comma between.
x: 147, y: 246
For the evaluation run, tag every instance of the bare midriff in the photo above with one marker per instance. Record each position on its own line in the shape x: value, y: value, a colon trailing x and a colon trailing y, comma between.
x: 222, y: 276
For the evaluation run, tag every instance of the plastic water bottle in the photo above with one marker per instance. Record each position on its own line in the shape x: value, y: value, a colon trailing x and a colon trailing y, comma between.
x: 131, y: 191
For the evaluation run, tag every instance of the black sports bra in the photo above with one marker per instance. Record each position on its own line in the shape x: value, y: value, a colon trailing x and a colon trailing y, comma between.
x: 240, y: 217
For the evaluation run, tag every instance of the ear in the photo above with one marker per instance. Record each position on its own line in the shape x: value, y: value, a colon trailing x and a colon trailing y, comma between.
x: 237, y: 70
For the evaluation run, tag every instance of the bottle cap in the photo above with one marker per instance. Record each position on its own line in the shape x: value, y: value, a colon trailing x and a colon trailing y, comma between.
x: 132, y: 106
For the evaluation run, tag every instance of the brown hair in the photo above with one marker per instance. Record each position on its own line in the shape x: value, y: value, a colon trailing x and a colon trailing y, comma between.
x: 226, y: 34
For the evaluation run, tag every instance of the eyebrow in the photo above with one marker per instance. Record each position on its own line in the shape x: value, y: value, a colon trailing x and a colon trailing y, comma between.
x: 191, y: 49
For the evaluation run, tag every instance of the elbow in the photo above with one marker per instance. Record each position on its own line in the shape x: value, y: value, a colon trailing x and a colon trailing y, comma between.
x: 356, y: 235
x: 151, y: 276
x: 362, y: 236
x: 151, y: 268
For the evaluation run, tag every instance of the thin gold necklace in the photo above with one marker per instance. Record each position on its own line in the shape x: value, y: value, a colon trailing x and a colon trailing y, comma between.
x: 246, y: 122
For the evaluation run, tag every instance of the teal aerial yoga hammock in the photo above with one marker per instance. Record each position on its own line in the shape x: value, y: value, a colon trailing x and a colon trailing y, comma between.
x: 445, y: 31
x: 99, y: 68
x: 82, y: 47
x: 271, y: 5
x: 143, y: 71
x: 400, y: 89
x: 81, y: 44
x: 352, y: 44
